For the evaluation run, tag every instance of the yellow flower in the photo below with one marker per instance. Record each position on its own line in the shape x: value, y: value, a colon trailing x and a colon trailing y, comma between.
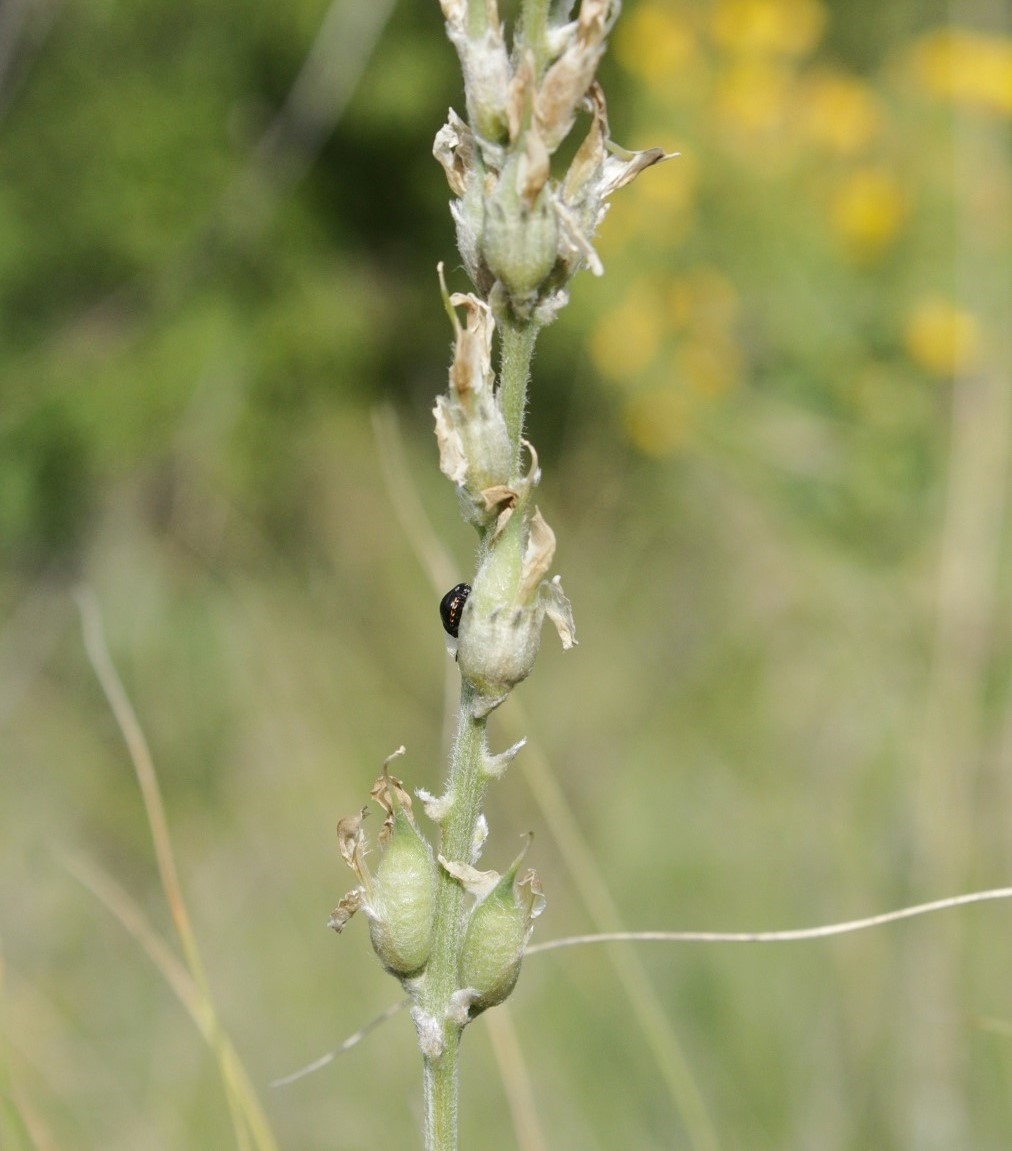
x: 662, y: 209
x: 868, y: 211
x: 625, y: 342
x: 768, y: 27
x: 709, y: 366
x: 942, y: 338
x: 659, y: 45
x: 840, y: 112
x: 704, y: 301
x: 656, y: 421
x: 966, y: 67
x: 754, y: 97
x: 622, y: 225
x: 674, y: 190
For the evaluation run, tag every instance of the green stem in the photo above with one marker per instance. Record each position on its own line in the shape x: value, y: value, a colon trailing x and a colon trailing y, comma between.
x: 441, y: 1081
x: 516, y: 351
x: 466, y: 786
x: 477, y: 17
x: 533, y: 26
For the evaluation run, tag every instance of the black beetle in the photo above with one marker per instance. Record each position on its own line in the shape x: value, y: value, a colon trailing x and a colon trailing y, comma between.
x: 451, y: 606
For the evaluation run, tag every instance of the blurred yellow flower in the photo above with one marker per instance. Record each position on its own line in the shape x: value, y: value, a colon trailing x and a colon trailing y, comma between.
x: 942, y: 338
x: 768, y: 27
x: 966, y: 67
x: 868, y: 211
x: 625, y: 341
x: 702, y: 300
x: 839, y: 111
x: 622, y: 224
x: 658, y: 43
x: 709, y: 366
x: 656, y: 421
x: 674, y: 190
x: 754, y: 97
x: 662, y: 210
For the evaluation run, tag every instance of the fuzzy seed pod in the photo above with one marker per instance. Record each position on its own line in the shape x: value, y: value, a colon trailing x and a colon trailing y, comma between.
x: 399, y: 900
x: 496, y: 938
x: 520, y: 238
x: 402, y: 900
x: 500, y: 625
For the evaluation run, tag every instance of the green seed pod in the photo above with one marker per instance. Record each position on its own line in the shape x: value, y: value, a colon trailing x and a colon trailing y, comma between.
x: 496, y: 938
x: 520, y: 236
x: 500, y: 626
x: 402, y: 900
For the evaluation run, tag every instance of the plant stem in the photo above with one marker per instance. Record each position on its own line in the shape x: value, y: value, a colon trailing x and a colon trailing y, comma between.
x: 477, y: 17
x: 465, y: 790
x: 516, y: 352
x: 466, y: 787
x: 533, y: 29
x: 441, y: 1082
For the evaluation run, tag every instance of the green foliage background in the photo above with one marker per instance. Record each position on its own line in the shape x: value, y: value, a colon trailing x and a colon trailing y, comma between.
x: 776, y: 442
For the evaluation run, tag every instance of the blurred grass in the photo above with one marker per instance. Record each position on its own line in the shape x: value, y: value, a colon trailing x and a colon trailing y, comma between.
x: 780, y: 485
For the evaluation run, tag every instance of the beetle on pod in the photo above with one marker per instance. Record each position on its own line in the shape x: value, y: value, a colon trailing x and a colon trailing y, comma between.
x: 452, y: 605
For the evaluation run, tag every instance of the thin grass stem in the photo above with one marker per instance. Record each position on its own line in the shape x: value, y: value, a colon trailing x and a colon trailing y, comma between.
x: 516, y: 1080
x: 793, y: 935
x: 248, y: 1119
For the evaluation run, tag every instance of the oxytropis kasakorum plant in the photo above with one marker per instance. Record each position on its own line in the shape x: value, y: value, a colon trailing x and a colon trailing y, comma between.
x: 453, y: 935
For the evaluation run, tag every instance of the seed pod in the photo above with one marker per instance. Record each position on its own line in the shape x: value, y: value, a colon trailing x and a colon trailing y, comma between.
x: 508, y: 605
x: 402, y: 900
x: 496, y: 938
x: 520, y: 240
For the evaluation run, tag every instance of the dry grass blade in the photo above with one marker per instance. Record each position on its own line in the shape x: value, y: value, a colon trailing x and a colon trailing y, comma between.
x: 408, y: 508
x: 130, y: 916
x: 248, y: 1118
x: 794, y: 935
x: 147, y: 779
x: 125, y: 909
x: 353, y: 1040
x: 513, y: 1071
x: 429, y: 551
x: 20, y: 1128
x: 327, y: 80
x: 631, y: 974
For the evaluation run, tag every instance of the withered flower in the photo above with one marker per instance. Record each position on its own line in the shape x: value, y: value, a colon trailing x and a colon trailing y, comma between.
x: 524, y: 232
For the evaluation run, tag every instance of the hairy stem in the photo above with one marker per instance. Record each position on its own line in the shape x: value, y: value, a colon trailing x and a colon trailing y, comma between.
x: 477, y: 17
x: 440, y: 1081
x: 533, y: 29
x: 516, y: 353
x: 465, y: 788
